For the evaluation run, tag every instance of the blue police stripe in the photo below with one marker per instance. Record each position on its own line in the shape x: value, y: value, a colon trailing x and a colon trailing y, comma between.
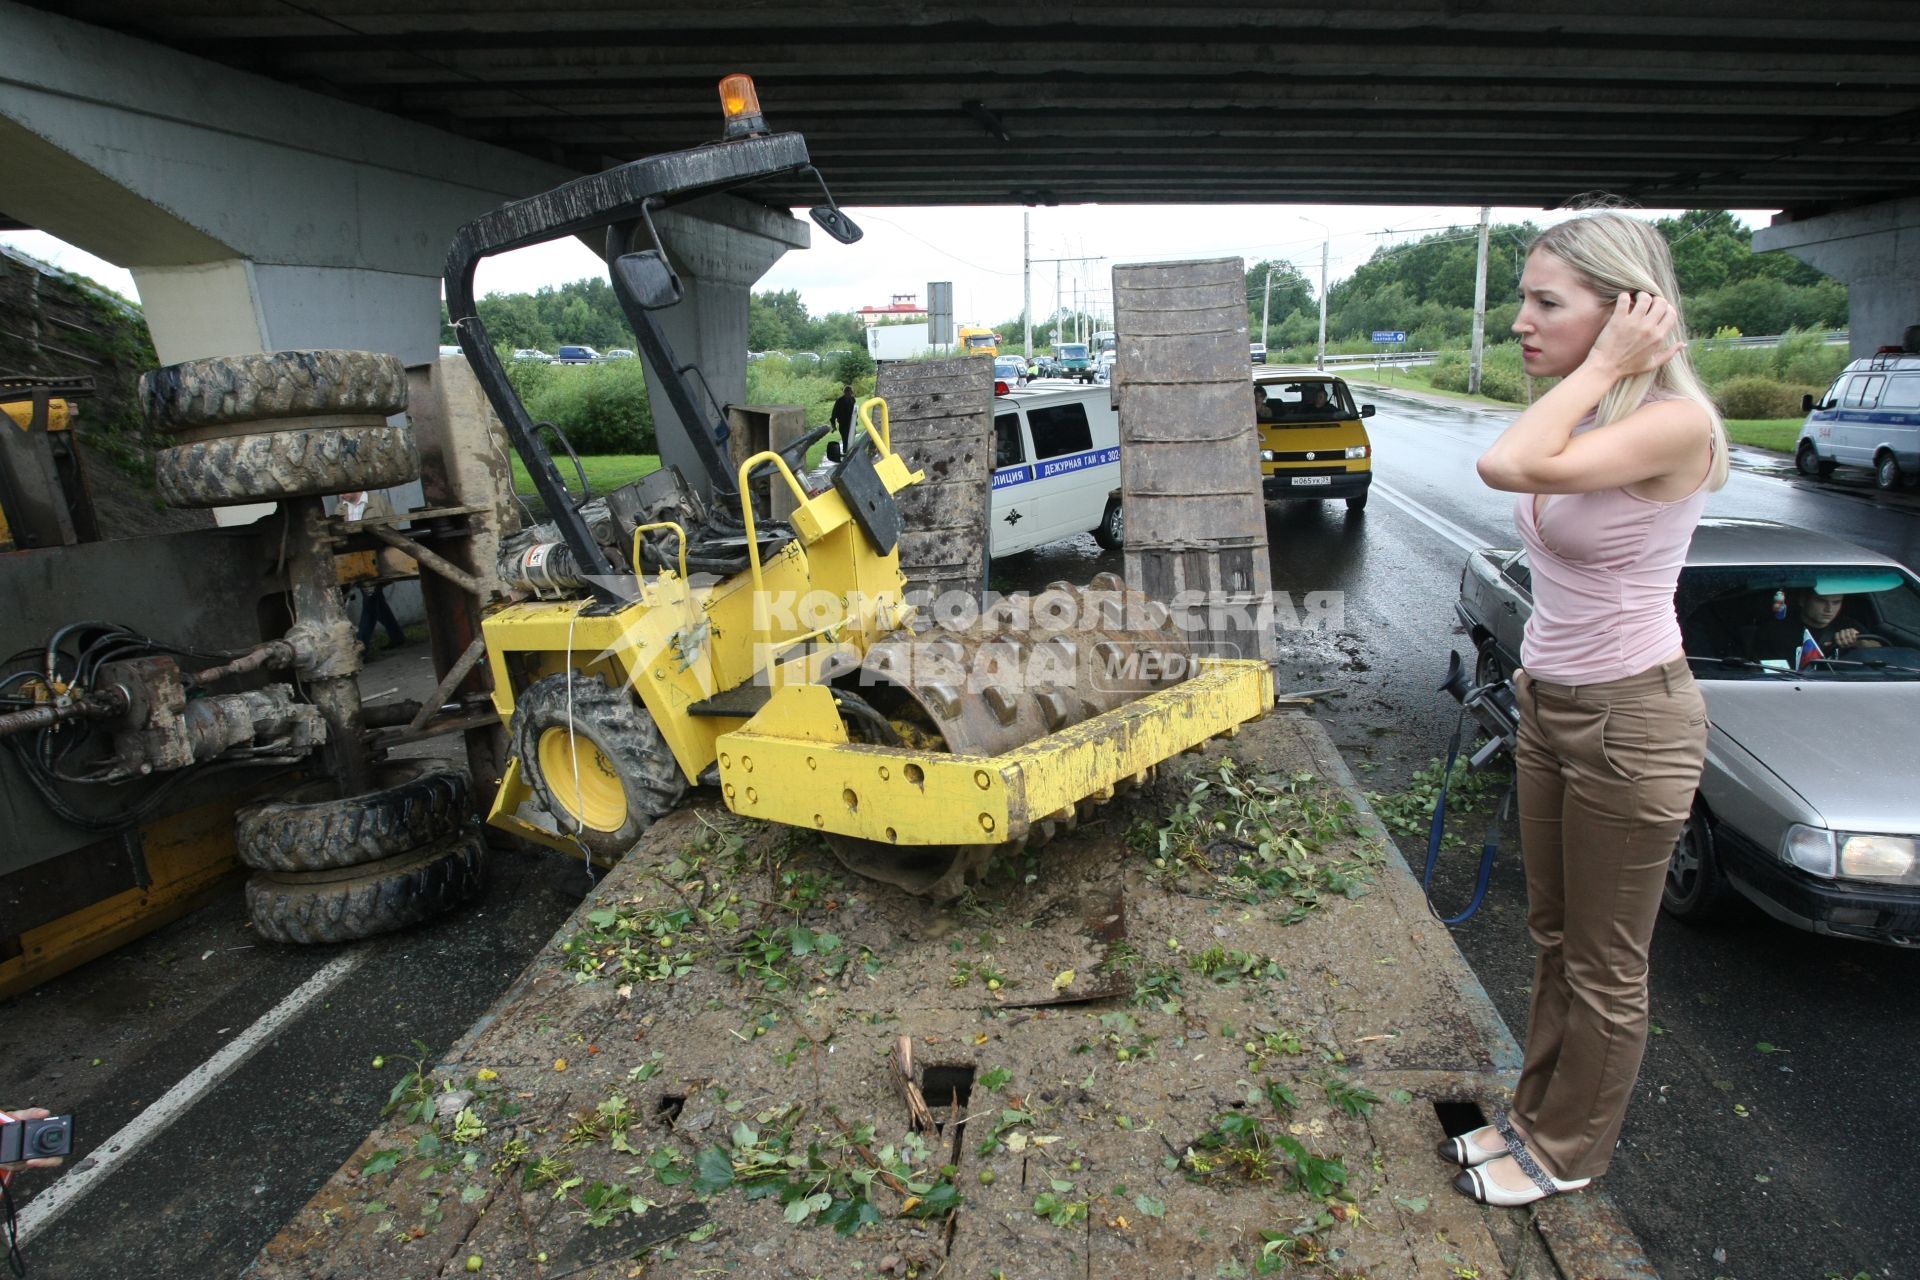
x: 1009, y: 476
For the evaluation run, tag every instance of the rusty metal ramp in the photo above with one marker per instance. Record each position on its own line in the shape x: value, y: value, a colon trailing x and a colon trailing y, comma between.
x: 941, y: 417
x: 1196, y: 527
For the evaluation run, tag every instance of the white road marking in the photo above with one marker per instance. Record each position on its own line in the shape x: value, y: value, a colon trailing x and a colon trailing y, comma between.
x: 150, y: 1123
x: 1432, y: 519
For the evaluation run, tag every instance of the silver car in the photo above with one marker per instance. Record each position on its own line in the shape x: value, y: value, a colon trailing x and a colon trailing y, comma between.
x: 1804, y: 806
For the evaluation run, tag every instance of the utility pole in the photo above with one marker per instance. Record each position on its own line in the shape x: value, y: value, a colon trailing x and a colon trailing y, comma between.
x: 1479, y: 307
x: 1320, y: 360
x: 1026, y: 277
x: 1059, y: 296
x: 1266, y: 306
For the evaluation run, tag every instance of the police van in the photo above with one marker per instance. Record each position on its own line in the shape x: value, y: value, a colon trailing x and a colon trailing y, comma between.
x: 1056, y: 468
x: 1869, y: 417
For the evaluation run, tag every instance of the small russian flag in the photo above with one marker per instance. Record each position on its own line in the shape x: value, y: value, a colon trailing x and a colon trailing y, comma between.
x: 1809, y: 651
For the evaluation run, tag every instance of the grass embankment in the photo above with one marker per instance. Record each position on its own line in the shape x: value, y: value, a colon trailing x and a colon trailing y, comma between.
x: 605, y: 471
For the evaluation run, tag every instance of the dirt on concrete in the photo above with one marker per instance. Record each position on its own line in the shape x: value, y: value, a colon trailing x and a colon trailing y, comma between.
x: 1202, y: 1035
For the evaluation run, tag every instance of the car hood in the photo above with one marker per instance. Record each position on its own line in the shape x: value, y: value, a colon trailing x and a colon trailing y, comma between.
x: 1848, y: 749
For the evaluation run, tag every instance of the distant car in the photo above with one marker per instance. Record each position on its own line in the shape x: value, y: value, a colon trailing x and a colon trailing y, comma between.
x: 1804, y: 805
x: 532, y: 354
x: 1103, y: 366
x: 1257, y: 351
x: 618, y: 353
x: 1011, y: 370
x: 808, y: 358
x: 575, y: 355
x: 1046, y: 366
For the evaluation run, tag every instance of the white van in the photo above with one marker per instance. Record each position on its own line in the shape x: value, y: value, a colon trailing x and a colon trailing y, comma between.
x: 1056, y: 468
x: 1869, y: 417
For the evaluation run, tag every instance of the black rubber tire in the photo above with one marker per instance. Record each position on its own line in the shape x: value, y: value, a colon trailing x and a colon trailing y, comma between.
x: 285, y: 464
x: 1806, y: 460
x: 1112, y: 530
x: 222, y: 390
x: 310, y: 827
x: 1358, y: 503
x: 1695, y: 889
x: 627, y: 739
x: 1887, y: 476
x: 373, y: 898
x: 1487, y: 667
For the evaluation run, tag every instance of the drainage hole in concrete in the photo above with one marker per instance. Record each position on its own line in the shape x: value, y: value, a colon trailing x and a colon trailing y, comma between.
x: 1459, y: 1116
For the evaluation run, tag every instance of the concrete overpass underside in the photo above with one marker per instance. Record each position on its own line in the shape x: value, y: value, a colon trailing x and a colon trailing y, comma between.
x: 1709, y: 103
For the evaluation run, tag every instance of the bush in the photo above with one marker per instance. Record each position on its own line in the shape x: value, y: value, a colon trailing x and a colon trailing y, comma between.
x: 601, y: 408
x: 849, y: 366
x: 1501, y: 375
x: 1752, y: 396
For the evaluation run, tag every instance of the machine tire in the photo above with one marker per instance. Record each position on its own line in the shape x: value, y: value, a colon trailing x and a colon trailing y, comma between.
x: 311, y: 827
x: 1887, y: 476
x: 1806, y: 460
x: 223, y: 390
x: 373, y: 898
x: 1111, y: 532
x: 1695, y: 890
x: 1358, y: 503
x: 628, y: 752
x: 285, y: 464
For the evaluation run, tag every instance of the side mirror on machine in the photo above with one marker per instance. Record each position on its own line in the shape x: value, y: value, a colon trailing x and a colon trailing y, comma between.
x: 1806, y: 403
x: 835, y: 223
x: 649, y: 279
x: 1366, y: 411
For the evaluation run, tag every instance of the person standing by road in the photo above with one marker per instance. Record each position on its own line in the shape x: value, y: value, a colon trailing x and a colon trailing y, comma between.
x: 1613, y: 467
x: 374, y: 609
x: 843, y: 414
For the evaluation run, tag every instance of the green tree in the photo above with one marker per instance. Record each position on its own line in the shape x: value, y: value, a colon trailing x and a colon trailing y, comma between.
x: 1291, y: 291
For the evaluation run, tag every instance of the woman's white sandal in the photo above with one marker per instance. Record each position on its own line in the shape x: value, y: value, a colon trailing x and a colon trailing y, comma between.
x: 1467, y: 1153
x: 1477, y: 1185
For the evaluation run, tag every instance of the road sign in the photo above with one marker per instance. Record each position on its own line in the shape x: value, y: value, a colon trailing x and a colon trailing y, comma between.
x: 1389, y: 335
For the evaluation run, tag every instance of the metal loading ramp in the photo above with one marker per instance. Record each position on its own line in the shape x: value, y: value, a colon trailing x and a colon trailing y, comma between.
x: 1196, y: 527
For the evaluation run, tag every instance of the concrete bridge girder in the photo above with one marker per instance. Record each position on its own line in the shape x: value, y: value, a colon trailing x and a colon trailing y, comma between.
x: 1875, y: 249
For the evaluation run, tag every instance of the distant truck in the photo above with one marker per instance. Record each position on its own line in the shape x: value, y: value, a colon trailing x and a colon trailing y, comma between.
x: 887, y: 342
x: 1073, y: 360
x: 979, y: 342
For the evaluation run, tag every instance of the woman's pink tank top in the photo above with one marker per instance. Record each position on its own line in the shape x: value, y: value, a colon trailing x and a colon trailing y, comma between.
x: 1604, y: 568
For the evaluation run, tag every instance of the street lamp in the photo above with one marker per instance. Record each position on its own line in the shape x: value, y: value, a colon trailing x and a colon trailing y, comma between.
x: 1320, y: 360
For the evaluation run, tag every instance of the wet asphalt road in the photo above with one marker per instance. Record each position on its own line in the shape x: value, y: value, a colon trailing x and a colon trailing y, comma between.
x: 1812, y: 1181
x: 1815, y: 1178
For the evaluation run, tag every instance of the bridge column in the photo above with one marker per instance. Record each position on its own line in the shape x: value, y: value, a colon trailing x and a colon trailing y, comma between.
x: 720, y: 246
x: 1876, y: 250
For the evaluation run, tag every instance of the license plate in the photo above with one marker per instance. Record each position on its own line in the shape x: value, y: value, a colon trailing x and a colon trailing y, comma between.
x: 1298, y: 480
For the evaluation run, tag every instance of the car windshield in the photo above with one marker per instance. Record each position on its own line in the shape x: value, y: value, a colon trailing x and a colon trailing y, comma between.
x: 1306, y: 402
x: 1073, y: 351
x: 1824, y: 622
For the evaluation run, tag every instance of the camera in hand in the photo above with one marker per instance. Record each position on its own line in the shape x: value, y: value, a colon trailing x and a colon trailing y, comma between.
x: 36, y: 1139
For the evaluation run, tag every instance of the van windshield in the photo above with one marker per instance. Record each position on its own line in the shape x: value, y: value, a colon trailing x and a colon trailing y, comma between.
x: 1072, y: 350
x: 1308, y: 401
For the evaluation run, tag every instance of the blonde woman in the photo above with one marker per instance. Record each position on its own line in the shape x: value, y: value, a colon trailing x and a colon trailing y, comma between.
x: 1613, y: 466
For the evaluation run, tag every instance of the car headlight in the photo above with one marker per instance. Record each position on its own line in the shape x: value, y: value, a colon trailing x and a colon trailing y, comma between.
x: 1876, y: 857
x: 1810, y: 849
x: 1853, y: 855
x: 1356, y: 451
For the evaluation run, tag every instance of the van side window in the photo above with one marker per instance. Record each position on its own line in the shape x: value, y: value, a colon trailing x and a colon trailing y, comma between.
x: 1006, y: 441
x: 1903, y: 392
x: 1863, y: 392
x: 1059, y: 429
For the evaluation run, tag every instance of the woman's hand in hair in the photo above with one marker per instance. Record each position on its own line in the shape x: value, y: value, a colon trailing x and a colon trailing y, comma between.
x: 1638, y: 338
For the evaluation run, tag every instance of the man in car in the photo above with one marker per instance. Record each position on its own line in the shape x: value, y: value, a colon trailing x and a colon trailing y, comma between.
x: 1784, y: 632
x: 1315, y: 401
x: 1264, y: 409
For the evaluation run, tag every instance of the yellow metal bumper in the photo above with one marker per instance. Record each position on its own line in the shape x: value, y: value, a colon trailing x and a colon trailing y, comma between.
x: 792, y: 763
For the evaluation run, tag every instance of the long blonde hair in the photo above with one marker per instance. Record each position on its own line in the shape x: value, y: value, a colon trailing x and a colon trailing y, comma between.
x: 1615, y: 254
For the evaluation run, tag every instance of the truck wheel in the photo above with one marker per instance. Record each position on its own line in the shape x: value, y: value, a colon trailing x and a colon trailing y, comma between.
x: 311, y: 827
x: 1358, y: 503
x: 373, y: 898
x: 1112, y: 530
x: 224, y: 390
x: 1886, y: 472
x: 1807, y: 461
x: 600, y: 766
x: 285, y: 464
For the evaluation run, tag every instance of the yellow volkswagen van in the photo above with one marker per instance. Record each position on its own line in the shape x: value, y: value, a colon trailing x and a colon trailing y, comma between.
x: 1312, y: 443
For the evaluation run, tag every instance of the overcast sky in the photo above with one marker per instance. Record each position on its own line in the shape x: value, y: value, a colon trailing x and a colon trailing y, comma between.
x: 980, y: 250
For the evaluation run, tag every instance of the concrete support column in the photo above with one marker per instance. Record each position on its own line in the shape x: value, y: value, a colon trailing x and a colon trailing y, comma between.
x: 1876, y: 250
x: 719, y: 246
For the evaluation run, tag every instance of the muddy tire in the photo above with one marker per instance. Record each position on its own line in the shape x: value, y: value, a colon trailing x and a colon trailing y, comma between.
x: 223, y: 390
x: 373, y: 898
x: 311, y: 827
x: 627, y: 777
x: 285, y: 464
